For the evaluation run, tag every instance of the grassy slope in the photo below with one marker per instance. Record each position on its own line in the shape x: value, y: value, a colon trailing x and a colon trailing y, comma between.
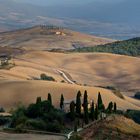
x: 114, y: 127
x: 128, y: 47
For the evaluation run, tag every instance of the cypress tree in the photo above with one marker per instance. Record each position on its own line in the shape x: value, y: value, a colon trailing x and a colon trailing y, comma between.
x: 62, y: 101
x: 115, y: 107
x: 110, y: 107
x: 38, y: 100
x: 85, y: 106
x: 100, y: 102
x: 92, y: 111
x: 96, y: 112
x: 72, y: 111
x: 50, y: 98
x: 78, y: 103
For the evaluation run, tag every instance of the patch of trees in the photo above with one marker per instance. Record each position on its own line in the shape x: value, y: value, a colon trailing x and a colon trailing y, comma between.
x: 129, y: 47
x: 134, y: 115
x: 38, y: 116
x: 42, y: 115
x: 46, y: 77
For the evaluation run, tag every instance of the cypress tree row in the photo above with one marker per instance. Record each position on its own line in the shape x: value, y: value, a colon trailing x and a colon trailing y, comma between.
x: 72, y: 111
x: 85, y: 106
x: 92, y: 111
x: 50, y: 98
x: 78, y: 103
x: 62, y: 101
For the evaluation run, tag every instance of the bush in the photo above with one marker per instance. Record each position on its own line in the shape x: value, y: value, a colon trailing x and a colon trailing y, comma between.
x: 45, y: 77
x: 37, y: 124
x: 54, y: 127
x: 4, y: 120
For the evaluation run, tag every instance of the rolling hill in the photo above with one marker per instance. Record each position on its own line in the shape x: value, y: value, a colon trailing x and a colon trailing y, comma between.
x: 71, y: 71
x: 48, y: 38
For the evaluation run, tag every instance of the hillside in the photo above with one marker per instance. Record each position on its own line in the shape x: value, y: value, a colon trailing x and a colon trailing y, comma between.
x: 129, y: 47
x: 30, y: 65
x: 48, y: 38
x: 113, y: 127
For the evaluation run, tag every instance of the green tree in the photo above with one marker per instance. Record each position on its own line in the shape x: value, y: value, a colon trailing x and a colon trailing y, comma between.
x: 72, y: 111
x: 78, y: 103
x: 62, y: 101
x: 50, y: 98
x: 92, y: 111
x: 110, y: 107
x: 38, y: 100
x: 96, y: 112
x: 100, y: 102
x: 85, y: 106
x: 115, y: 107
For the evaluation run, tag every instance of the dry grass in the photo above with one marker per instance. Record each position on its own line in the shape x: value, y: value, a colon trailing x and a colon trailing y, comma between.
x: 6, y: 136
x: 101, y: 69
x: 114, y: 127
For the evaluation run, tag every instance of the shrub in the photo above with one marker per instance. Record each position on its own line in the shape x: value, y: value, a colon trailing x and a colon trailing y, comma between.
x: 37, y: 124
x: 45, y: 77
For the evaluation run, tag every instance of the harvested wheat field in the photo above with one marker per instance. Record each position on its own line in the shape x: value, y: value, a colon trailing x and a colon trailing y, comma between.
x: 26, y: 92
x: 18, y: 85
x: 94, y: 69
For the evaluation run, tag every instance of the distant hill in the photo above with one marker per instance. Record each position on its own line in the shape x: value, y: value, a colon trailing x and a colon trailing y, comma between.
x: 48, y: 38
x: 96, y: 17
x: 129, y: 47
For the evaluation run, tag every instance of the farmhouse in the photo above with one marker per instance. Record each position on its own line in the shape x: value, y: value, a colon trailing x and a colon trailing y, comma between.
x: 4, y: 59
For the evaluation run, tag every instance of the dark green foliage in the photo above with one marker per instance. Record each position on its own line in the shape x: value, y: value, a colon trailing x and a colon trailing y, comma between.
x: 96, y: 112
x: 100, y: 102
x: 110, y: 107
x: 19, y: 117
x: 137, y: 95
x: 62, y: 101
x: 115, y: 107
x: 92, y: 111
x: 133, y: 114
x: 38, y: 100
x: 78, y: 103
x: 72, y: 111
x: 75, y: 125
x: 39, y: 116
x: 85, y: 106
x: 36, y: 124
x: 50, y: 98
x: 129, y: 47
x: 45, y: 77
x: 37, y: 110
x: 4, y: 120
